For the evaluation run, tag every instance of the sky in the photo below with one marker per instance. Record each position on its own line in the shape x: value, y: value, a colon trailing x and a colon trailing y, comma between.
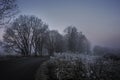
x: 99, y: 20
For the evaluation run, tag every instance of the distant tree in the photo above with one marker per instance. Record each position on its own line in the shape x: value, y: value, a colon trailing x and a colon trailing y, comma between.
x: 25, y: 35
x: 8, y: 8
x: 98, y: 50
x: 87, y: 47
x: 83, y: 44
x: 71, y: 36
x: 76, y: 41
x: 54, y: 42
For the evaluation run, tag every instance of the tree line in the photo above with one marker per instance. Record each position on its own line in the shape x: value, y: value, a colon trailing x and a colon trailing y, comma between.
x: 29, y: 35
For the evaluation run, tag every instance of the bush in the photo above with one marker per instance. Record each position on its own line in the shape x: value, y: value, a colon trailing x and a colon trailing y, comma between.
x: 104, y: 70
x: 71, y: 68
x: 70, y: 71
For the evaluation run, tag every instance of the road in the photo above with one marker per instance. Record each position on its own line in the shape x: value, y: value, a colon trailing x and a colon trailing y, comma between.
x: 20, y: 69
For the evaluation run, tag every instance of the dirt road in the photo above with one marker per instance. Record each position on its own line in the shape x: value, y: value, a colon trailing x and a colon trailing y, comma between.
x: 20, y: 69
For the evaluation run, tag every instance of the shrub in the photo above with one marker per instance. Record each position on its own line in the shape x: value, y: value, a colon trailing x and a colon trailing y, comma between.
x: 75, y: 67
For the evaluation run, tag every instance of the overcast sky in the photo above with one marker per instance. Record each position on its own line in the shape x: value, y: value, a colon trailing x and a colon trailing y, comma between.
x: 99, y: 20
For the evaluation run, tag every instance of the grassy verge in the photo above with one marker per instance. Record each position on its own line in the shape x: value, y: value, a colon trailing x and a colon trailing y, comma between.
x: 45, y: 72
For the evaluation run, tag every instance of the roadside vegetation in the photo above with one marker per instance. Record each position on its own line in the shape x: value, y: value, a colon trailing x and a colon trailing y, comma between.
x: 74, y: 67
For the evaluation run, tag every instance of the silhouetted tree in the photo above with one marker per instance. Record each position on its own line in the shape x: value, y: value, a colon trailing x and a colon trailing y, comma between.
x: 71, y: 36
x: 25, y: 35
x: 83, y: 44
x: 54, y: 42
x: 76, y: 41
x: 8, y: 8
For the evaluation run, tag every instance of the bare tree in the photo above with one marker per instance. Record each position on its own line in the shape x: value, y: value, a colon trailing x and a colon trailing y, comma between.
x: 8, y: 8
x: 38, y: 39
x: 76, y: 41
x: 25, y: 34
x: 83, y: 44
x: 71, y: 36
x: 54, y: 42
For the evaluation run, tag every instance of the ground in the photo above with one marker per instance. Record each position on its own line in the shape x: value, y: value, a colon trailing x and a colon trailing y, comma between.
x: 20, y: 68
